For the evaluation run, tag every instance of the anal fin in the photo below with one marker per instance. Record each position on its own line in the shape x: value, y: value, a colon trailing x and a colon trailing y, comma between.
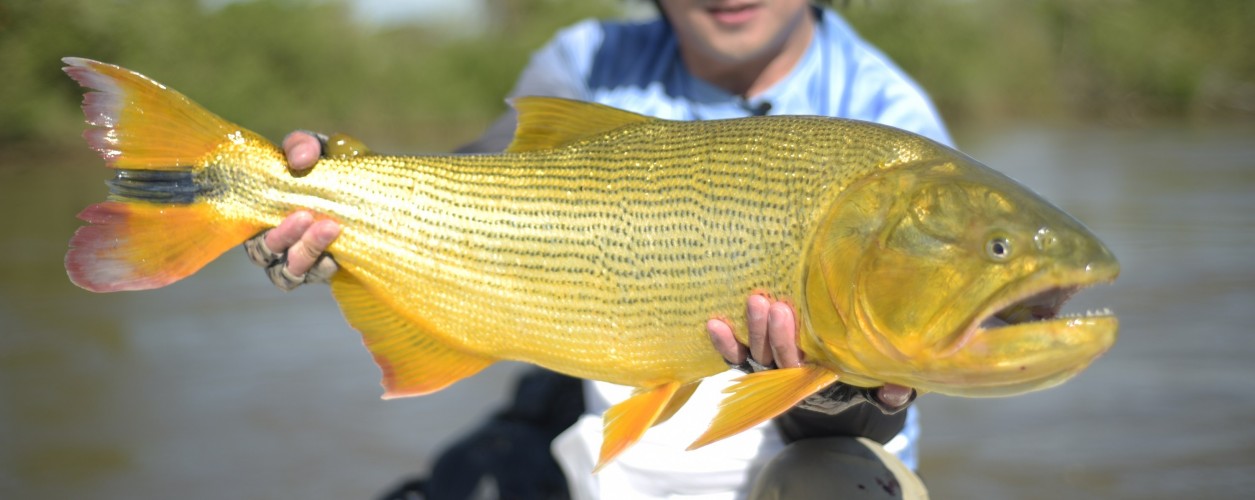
x: 677, y: 400
x: 414, y: 362
x: 628, y: 420
x: 760, y: 396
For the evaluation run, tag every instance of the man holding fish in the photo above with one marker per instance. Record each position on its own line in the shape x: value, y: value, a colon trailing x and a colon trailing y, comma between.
x: 705, y: 59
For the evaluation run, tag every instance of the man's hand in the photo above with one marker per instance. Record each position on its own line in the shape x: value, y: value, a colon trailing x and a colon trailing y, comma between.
x: 773, y: 343
x: 293, y: 251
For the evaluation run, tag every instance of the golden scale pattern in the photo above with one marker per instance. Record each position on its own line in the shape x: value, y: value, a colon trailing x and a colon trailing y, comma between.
x: 574, y: 257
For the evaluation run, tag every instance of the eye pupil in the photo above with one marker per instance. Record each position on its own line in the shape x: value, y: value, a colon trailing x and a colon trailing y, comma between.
x: 999, y: 248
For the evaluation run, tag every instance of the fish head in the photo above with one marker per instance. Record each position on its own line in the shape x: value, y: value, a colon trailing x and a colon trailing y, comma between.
x: 947, y: 276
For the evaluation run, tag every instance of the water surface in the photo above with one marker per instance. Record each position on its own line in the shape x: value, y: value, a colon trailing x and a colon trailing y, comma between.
x: 222, y: 387
x: 1167, y: 412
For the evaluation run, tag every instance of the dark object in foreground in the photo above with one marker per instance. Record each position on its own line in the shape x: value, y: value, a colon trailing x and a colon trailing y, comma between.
x: 511, y: 449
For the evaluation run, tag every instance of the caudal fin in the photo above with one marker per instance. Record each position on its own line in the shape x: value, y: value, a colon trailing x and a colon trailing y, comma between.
x: 157, y: 227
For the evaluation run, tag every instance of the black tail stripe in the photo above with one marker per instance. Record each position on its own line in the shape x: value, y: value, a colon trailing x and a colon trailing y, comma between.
x: 157, y: 186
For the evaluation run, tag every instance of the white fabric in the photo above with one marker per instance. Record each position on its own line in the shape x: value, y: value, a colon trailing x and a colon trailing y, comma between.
x: 658, y: 467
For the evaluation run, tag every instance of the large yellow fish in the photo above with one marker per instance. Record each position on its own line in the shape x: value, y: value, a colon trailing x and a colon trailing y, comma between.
x: 601, y: 241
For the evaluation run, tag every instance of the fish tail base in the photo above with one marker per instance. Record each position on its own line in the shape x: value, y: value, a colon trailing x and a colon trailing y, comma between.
x: 159, y: 224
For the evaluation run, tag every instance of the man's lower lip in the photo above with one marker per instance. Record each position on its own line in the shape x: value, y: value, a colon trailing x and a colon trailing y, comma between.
x: 733, y: 16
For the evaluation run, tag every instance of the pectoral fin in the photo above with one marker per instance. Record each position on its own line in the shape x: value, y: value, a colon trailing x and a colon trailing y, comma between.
x: 759, y: 396
x: 627, y: 421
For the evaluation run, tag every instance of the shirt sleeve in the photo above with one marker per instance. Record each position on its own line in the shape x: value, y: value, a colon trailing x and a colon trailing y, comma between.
x: 894, y: 99
x: 875, y: 89
x: 558, y: 69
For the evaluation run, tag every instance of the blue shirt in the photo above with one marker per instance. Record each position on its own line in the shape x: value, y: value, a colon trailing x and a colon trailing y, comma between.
x: 637, y: 66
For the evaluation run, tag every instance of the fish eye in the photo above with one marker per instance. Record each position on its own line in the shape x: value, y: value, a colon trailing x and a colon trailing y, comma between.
x: 998, y: 248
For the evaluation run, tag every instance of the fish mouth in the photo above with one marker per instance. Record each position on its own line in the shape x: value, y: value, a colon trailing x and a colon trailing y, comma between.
x: 1037, y: 305
x: 1022, y: 341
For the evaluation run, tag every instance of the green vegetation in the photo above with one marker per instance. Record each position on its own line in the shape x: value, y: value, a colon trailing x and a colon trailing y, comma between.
x: 1118, y: 61
x: 275, y: 65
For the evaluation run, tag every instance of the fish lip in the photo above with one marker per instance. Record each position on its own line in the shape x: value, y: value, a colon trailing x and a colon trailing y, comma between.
x: 1042, y: 295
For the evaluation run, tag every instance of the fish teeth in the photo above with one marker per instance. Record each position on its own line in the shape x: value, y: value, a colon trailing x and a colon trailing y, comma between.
x: 1088, y: 314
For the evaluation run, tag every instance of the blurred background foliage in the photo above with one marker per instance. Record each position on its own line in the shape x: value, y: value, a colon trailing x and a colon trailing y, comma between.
x: 276, y: 65
x: 1121, y: 62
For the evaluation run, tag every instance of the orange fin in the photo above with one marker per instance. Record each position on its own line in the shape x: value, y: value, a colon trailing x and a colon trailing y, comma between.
x: 138, y: 123
x: 138, y: 246
x: 628, y: 420
x: 681, y: 396
x: 551, y: 122
x: 157, y: 226
x: 413, y: 361
x: 760, y: 396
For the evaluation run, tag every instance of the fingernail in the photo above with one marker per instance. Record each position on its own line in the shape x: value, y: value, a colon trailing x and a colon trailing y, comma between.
x: 713, y: 326
x: 776, y: 316
x: 755, y: 309
x: 894, y: 397
x: 327, y: 231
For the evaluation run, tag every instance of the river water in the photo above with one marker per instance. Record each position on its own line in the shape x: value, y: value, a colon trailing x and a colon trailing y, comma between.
x: 222, y: 387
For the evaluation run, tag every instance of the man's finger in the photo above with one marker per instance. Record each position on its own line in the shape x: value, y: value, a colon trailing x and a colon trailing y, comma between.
x: 302, y: 150
x: 725, y: 342
x: 280, y: 238
x: 312, y: 244
x: 258, y: 252
x: 756, y: 315
x: 894, y: 395
x: 782, y: 335
x: 323, y: 269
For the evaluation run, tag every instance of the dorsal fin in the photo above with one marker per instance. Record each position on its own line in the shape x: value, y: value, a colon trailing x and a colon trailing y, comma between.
x: 552, y: 122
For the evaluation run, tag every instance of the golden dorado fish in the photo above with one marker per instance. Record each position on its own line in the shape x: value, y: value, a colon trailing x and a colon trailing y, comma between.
x: 601, y: 241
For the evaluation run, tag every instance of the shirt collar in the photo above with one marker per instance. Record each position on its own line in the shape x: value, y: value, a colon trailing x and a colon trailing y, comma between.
x: 787, y: 96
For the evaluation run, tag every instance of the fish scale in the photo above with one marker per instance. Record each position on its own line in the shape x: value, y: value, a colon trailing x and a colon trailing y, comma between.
x: 641, y: 223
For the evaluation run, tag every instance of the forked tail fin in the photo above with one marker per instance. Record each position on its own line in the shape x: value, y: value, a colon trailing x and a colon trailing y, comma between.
x: 157, y: 227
